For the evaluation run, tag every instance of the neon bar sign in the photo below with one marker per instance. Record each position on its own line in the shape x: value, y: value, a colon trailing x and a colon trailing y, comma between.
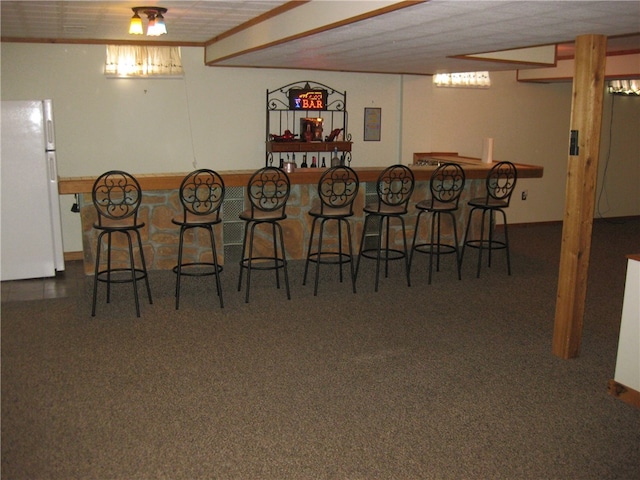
x: 307, y: 99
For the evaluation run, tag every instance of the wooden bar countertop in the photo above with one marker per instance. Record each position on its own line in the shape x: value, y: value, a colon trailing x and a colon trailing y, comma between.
x: 424, y: 165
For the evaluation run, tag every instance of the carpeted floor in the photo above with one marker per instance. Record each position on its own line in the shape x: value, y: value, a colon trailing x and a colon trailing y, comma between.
x: 453, y: 380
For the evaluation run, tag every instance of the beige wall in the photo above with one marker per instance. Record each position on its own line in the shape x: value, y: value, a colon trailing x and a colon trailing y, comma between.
x: 215, y: 117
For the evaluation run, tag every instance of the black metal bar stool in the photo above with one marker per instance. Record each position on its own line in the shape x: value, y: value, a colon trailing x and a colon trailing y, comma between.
x: 117, y: 196
x: 500, y: 183
x: 201, y: 194
x: 446, y: 185
x: 337, y: 190
x: 268, y: 191
x: 394, y: 188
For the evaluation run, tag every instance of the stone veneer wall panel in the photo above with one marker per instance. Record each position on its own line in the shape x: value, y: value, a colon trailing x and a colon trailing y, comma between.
x: 160, y: 236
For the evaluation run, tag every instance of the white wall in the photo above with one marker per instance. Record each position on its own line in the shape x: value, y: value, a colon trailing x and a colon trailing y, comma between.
x: 528, y: 122
x: 215, y: 117
x: 619, y: 173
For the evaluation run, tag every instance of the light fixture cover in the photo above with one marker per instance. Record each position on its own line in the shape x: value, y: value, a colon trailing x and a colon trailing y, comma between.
x: 624, y: 87
x: 463, y: 79
x: 161, y: 28
x: 135, y: 27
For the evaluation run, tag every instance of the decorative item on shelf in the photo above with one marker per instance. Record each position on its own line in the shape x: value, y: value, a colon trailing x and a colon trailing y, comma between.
x: 308, y: 98
x: 287, y: 136
x: 311, y: 129
x: 333, y: 135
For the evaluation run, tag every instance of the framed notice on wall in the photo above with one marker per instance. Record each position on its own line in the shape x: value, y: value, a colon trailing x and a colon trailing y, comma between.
x: 372, y: 124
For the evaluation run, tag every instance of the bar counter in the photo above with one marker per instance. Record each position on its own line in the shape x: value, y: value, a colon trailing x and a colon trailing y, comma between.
x: 160, y: 204
x: 473, y: 167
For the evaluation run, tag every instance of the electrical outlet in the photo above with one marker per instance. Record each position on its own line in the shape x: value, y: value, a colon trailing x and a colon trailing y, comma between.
x: 524, y: 194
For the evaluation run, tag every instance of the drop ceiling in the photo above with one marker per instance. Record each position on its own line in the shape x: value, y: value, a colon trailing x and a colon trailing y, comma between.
x: 393, y: 37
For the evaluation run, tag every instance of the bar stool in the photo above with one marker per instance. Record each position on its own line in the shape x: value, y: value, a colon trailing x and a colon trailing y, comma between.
x: 201, y: 194
x: 268, y: 191
x: 337, y: 190
x: 446, y: 185
x: 500, y: 183
x: 117, y: 196
x: 394, y: 188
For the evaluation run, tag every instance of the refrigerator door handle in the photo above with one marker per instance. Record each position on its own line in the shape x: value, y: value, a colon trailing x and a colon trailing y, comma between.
x: 53, y: 174
x: 49, y: 132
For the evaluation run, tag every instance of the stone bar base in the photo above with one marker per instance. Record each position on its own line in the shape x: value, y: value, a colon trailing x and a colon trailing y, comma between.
x: 160, y: 236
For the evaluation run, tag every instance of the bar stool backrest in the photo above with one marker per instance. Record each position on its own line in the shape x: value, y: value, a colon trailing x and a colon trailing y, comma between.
x: 117, y: 196
x: 447, y: 183
x: 337, y: 189
x: 395, y: 186
x: 269, y: 190
x: 501, y: 181
x: 201, y: 194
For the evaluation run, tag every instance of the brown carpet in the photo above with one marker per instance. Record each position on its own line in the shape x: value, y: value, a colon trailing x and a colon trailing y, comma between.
x: 453, y: 380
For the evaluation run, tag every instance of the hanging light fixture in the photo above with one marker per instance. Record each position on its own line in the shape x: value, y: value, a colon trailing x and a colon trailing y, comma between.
x: 156, y: 25
x: 624, y: 87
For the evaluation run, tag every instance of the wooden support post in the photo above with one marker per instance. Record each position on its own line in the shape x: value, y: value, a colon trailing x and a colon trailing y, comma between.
x: 582, y: 175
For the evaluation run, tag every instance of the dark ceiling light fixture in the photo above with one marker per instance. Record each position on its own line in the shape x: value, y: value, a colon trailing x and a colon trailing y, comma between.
x: 156, y: 24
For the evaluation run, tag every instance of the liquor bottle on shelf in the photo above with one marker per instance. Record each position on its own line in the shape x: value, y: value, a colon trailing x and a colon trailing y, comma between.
x: 335, y: 160
x: 313, y: 162
x: 324, y: 165
x: 304, y: 162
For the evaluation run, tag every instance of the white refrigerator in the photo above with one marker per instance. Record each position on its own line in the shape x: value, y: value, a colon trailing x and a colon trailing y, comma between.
x: 31, y: 230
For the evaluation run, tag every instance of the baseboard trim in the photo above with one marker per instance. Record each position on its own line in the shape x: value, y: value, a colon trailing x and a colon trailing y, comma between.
x: 72, y: 256
x: 624, y: 393
x: 559, y: 222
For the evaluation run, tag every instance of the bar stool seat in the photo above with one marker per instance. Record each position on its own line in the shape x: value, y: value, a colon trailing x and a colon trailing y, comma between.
x: 393, y: 188
x: 201, y: 194
x: 117, y: 196
x: 267, y: 191
x: 337, y: 189
x: 446, y: 185
x: 500, y: 184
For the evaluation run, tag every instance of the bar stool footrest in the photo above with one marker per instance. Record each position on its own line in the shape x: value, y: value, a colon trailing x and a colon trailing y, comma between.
x: 139, y: 273
x: 207, y: 268
x: 385, y: 254
x: 334, y: 258
x: 263, y: 263
x: 486, y: 245
x: 435, y: 248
